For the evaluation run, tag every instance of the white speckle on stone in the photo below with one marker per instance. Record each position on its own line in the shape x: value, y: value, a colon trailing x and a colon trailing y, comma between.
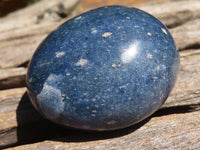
x: 93, y: 31
x: 78, y: 18
x: 68, y: 74
x: 161, y: 97
x: 107, y: 34
x: 87, y: 107
x: 156, y: 51
x: 114, y: 65
x: 118, y: 27
x: 136, y: 26
x: 123, y: 86
x: 94, y: 111
x: 149, y: 56
x: 59, y: 54
x: 109, y: 89
x: 157, y: 68
x: 164, y: 31
x: 111, y: 122
x: 93, y: 115
x: 149, y: 34
x: 87, y: 100
x: 155, y: 78
x: 129, y: 53
x: 82, y: 62
x: 93, y: 99
x: 160, y: 67
x: 64, y: 96
x: 128, y: 18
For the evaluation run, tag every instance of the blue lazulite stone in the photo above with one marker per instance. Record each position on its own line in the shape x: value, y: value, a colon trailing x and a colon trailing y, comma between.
x: 105, y: 69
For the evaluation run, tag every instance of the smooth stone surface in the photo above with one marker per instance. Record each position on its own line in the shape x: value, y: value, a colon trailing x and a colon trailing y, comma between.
x: 106, y: 69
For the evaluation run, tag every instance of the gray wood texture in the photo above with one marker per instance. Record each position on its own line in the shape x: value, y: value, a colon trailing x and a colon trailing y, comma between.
x: 176, y: 125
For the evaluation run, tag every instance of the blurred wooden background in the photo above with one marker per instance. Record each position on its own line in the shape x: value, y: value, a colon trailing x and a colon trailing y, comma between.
x: 24, y: 25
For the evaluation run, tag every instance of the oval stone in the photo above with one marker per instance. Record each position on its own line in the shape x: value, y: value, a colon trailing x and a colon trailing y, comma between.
x: 105, y: 69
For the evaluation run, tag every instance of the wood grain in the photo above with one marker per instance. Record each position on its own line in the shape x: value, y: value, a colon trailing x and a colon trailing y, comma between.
x: 174, y: 12
x: 45, y: 10
x: 176, y: 125
x: 175, y: 131
x: 167, y: 12
x: 86, y: 5
x: 187, y: 36
x: 189, y: 74
x: 17, y: 46
x: 12, y: 77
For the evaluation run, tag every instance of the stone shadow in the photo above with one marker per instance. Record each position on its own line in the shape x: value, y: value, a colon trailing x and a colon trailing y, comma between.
x: 32, y: 127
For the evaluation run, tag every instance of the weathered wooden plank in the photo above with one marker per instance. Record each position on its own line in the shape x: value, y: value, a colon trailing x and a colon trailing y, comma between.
x: 86, y: 5
x: 39, y: 129
x: 187, y: 35
x: 174, y: 13
x: 9, y: 101
x: 169, y: 131
x: 16, y: 111
x: 12, y: 77
x: 167, y: 11
x: 189, y: 74
x: 45, y: 10
x: 18, y: 45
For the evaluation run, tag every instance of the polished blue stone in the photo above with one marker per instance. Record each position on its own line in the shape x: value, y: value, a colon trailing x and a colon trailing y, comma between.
x: 105, y: 69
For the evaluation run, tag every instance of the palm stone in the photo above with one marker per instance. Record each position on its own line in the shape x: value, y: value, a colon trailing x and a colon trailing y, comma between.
x: 105, y: 69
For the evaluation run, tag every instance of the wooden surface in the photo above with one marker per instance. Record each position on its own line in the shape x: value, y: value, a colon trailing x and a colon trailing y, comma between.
x: 176, y: 125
